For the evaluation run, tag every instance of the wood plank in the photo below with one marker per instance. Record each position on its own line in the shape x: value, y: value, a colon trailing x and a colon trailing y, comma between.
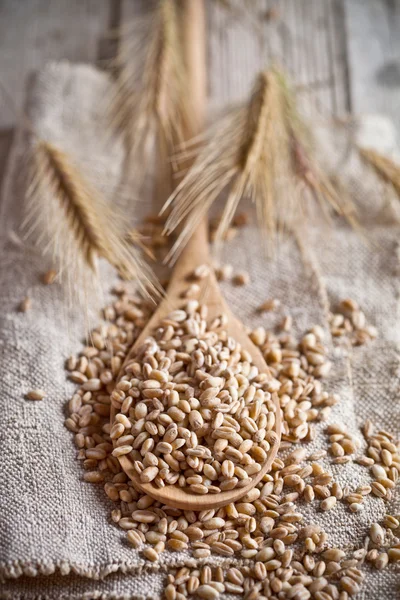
x: 300, y: 38
x: 34, y: 31
x: 306, y: 38
x: 339, y: 68
x: 373, y: 34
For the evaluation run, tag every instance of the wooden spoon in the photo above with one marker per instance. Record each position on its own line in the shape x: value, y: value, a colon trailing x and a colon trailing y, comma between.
x: 197, y: 253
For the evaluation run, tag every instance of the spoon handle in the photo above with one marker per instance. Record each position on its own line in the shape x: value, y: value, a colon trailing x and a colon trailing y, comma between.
x: 194, y: 46
x: 196, y: 251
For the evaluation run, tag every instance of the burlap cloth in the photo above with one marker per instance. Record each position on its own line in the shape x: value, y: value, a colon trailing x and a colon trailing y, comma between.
x: 56, y: 540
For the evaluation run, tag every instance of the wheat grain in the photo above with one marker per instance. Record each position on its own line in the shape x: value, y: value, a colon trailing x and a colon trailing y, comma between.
x: 241, y: 279
x: 35, y: 395
x: 351, y: 323
x: 49, y: 277
x: 328, y: 503
x: 198, y: 414
x: 269, y: 305
x: 264, y: 527
x: 25, y: 304
x: 394, y: 554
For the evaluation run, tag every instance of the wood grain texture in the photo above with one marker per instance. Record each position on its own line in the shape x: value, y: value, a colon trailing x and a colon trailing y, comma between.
x: 373, y: 34
x: 306, y: 37
x: 345, y: 53
x: 35, y: 31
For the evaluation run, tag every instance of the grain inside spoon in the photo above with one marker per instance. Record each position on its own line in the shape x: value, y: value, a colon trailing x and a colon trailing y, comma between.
x: 195, y: 255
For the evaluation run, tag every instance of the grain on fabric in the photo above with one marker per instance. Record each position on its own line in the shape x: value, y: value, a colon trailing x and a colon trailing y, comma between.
x: 267, y: 528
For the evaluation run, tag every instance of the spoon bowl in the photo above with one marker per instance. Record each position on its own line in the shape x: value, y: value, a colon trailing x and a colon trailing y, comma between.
x: 197, y: 253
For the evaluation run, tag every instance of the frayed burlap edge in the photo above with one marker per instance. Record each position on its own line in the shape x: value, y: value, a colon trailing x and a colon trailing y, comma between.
x: 42, y: 568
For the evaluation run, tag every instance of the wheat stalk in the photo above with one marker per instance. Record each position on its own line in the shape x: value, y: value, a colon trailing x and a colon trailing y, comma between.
x: 72, y: 220
x: 385, y: 167
x: 261, y: 151
x: 135, y: 238
x: 149, y: 102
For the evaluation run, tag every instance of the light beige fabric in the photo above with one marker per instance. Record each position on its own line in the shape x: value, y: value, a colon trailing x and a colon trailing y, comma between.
x: 54, y: 524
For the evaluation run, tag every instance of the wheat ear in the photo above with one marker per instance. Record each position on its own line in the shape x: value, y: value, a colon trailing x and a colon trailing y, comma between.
x: 72, y: 220
x: 385, y: 167
x: 261, y: 151
x: 149, y: 100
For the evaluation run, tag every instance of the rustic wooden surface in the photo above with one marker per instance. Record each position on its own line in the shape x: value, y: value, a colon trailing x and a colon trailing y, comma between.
x: 343, y: 54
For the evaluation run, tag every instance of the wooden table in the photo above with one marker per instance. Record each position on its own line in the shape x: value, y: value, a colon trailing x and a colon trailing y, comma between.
x: 344, y: 54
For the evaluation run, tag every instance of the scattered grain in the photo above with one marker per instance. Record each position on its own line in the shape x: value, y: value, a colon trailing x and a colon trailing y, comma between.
x: 35, y: 395
x: 265, y: 527
x: 377, y: 534
x: 49, y: 277
x: 241, y: 278
x: 25, y: 304
x: 269, y: 305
